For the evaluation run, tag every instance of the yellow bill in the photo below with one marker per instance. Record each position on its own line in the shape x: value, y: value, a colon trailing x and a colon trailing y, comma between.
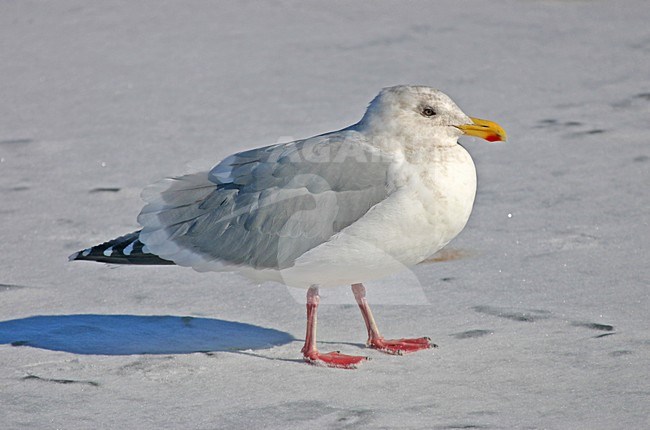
x: 488, y: 130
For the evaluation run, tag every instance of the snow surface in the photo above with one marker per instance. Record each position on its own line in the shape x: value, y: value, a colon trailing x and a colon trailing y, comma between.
x: 540, y: 307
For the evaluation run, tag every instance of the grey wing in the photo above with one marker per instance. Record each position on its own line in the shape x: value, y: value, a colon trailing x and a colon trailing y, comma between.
x: 265, y: 207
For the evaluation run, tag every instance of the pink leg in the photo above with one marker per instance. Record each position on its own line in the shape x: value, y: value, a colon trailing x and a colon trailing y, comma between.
x: 310, y: 352
x: 376, y: 340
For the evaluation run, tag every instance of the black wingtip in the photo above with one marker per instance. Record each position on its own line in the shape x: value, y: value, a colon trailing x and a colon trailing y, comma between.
x: 84, y: 254
x: 125, y: 249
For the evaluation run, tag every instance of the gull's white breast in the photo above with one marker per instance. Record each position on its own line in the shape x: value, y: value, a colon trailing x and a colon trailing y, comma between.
x: 433, y: 198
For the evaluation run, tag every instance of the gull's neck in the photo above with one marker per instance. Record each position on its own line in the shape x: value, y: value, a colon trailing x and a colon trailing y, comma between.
x: 393, y: 138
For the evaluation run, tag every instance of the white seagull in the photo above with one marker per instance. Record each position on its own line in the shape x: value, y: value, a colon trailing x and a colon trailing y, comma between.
x: 341, y: 208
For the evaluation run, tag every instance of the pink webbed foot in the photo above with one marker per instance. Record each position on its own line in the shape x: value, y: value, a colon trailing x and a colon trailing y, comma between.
x: 376, y: 340
x: 334, y: 359
x: 401, y: 346
x: 310, y: 352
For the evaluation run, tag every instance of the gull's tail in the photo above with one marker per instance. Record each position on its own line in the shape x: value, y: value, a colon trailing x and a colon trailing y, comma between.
x: 125, y: 249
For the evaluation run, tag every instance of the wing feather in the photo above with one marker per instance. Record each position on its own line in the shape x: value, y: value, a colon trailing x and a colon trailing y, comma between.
x: 265, y: 207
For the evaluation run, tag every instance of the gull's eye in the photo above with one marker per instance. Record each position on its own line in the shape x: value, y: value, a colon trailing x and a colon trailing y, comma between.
x: 428, y: 111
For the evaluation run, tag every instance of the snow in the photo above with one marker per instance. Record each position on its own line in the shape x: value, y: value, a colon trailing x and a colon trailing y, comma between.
x: 540, y: 308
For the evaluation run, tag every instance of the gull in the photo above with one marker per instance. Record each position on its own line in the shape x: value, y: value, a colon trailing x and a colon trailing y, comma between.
x: 341, y: 208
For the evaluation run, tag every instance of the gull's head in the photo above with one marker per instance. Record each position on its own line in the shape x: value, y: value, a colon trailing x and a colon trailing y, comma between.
x: 423, y: 114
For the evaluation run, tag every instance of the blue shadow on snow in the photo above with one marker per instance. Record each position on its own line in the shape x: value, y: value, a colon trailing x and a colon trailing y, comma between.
x: 134, y: 334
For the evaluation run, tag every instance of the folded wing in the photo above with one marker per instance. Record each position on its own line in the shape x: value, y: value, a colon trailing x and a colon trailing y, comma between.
x: 265, y: 207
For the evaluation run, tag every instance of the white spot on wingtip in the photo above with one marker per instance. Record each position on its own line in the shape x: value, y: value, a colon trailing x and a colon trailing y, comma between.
x: 108, y: 252
x: 128, y: 249
x: 85, y: 252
